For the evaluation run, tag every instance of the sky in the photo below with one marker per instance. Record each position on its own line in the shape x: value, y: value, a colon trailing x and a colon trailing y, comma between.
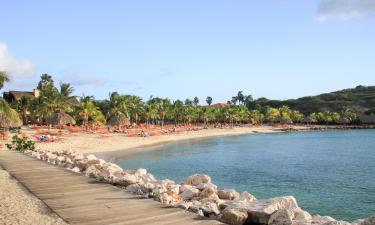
x: 278, y: 49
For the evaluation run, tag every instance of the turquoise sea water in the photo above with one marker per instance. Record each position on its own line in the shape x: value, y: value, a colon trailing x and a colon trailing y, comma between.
x: 329, y: 172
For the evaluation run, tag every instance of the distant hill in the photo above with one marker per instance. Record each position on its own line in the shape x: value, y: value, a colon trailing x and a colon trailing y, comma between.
x: 360, y: 98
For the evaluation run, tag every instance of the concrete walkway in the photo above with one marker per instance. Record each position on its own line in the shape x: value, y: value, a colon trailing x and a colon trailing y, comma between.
x: 81, y: 200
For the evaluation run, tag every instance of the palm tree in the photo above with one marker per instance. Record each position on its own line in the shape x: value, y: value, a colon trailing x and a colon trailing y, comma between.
x: 177, y: 111
x: 196, y: 101
x: 8, y: 116
x: 4, y: 77
x: 240, y: 97
x: 209, y: 100
x: 88, y: 112
x: 23, y: 106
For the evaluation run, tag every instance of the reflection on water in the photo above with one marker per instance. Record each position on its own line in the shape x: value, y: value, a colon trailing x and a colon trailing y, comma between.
x: 330, y: 172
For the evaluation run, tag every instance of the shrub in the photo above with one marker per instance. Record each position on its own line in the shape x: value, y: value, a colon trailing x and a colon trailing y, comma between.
x: 21, y: 144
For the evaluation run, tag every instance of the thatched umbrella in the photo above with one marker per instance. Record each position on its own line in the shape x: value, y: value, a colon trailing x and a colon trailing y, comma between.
x: 118, y: 119
x: 60, y: 119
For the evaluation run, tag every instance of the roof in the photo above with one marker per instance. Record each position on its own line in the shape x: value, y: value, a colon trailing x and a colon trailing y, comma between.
x: 220, y: 105
x: 73, y: 101
x: 17, y: 95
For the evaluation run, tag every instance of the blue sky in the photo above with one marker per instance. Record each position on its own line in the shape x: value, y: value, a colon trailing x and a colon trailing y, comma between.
x: 181, y: 49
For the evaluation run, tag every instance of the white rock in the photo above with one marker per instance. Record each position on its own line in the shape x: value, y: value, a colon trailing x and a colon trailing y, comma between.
x: 190, y: 194
x: 259, y: 211
x: 246, y: 196
x: 140, y: 172
x: 209, y: 193
x: 359, y: 222
x: 134, y: 188
x: 91, y: 159
x: 92, y: 171
x: 318, y: 219
x: 228, y: 194
x: 281, y: 217
x: 234, y: 216
x: 76, y: 170
x: 203, y: 186
x: 128, y: 179
x: 185, y: 187
x: 337, y: 223
x: 183, y: 205
x: 174, y: 188
x: 197, y: 179
x: 210, y: 208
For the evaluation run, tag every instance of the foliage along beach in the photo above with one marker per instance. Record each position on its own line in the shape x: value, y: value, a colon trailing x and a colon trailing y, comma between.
x: 63, y: 128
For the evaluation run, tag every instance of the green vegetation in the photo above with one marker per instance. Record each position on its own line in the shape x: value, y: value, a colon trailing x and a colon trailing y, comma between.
x: 360, y: 100
x: 21, y: 144
x: 337, y: 107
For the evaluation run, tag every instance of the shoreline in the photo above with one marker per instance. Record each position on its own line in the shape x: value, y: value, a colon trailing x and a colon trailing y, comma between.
x: 95, y: 144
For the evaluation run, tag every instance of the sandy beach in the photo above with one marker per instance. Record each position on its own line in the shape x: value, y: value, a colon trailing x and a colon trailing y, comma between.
x: 92, y: 143
x: 18, y: 206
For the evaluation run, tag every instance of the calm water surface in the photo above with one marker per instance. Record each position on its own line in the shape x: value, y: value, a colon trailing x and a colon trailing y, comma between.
x: 329, y: 172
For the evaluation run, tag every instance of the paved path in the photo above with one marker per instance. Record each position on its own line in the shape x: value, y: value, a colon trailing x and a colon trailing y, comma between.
x: 81, y: 200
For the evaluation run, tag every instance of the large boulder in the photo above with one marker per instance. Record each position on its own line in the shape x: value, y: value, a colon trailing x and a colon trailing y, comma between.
x: 260, y: 211
x: 209, y: 193
x: 371, y: 220
x: 91, y: 159
x: 203, y: 186
x: 197, y: 179
x: 228, y: 194
x: 127, y: 179
x: 359, y: 222
x: 234, y: 216
x: 319, y: 220
x: 134, y: 188
x: 281, y: 217
x: 190, y: 194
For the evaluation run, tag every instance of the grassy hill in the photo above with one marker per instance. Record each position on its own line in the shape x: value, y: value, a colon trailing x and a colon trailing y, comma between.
x: 360, y: 98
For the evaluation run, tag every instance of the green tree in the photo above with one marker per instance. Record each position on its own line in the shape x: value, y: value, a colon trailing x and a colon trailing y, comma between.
x: 256, y: 117
x: 209, y: 100
x: 296, y: 116
x: 272, y: 114
x: 240, y: 97
x: 7, y: 114
x: 285, y: 114
x: 349, y: 114
x: 196, y: 101
x: 88, y: 112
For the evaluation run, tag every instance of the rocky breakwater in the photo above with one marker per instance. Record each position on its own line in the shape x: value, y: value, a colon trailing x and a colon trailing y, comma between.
x: 196, y: 194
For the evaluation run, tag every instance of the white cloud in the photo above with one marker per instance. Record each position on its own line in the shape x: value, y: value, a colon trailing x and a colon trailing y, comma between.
x: 345, y: 9
x: 17, y: 68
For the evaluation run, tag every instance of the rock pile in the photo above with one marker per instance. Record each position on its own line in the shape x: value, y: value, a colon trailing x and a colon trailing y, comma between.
x: 196, y: 194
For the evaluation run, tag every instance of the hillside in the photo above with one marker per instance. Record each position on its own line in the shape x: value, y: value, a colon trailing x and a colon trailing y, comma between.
x: 360, y: 98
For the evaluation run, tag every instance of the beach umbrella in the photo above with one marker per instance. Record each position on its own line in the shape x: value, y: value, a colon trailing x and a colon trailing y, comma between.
x: 60, y: 119
x: 118, y: 119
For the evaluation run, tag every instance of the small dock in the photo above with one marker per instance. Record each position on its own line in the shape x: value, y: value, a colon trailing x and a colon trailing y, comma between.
x: 81, y: 200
